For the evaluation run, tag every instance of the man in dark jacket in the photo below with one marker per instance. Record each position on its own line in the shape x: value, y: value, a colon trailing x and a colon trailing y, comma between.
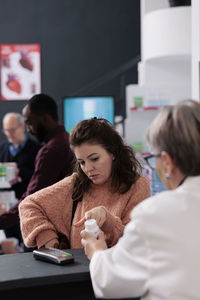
x: 22, y: 150
x: 54, y: 160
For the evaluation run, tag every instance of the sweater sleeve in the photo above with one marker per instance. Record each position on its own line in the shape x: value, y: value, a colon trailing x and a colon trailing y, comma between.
x: 43, y: 213
x: 114, y: 226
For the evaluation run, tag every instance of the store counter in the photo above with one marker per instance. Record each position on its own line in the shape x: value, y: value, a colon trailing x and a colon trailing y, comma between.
x: 23, y: 277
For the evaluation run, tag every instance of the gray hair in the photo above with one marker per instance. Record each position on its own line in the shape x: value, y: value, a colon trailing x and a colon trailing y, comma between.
x: 176, y: 130
x: 19, y: 118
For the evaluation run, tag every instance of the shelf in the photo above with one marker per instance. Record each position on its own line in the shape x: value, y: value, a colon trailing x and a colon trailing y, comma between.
x: 136, y: 108
x: 5, y: 185
x: 143, y: 153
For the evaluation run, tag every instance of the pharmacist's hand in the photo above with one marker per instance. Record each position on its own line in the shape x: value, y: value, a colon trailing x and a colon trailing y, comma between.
x: 98, y: 213
x: 52, y: 244
x: 91, y: 245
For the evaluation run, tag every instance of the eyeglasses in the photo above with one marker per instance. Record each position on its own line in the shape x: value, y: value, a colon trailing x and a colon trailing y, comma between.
x: 150, y: 160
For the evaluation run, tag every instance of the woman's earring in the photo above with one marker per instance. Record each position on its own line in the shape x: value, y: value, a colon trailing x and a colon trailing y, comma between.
x: 167, y: 176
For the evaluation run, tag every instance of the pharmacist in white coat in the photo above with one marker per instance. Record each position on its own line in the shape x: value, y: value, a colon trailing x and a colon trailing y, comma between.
x: 158, y: 256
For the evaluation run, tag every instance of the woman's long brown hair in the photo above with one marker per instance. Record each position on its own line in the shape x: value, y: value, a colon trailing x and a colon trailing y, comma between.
x: 125, y: 169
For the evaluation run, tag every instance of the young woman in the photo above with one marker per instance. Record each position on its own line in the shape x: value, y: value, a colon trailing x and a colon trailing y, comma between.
x: 105, y: 186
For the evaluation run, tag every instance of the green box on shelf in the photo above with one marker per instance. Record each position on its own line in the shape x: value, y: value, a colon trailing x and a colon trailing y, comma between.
x: 3, y: 171
x: 137, y: 146
x: 138, y: 101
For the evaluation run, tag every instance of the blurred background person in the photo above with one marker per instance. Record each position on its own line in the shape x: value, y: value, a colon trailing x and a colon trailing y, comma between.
x: 21, y: 149
x: 158, y: 255
x: 54, y: 160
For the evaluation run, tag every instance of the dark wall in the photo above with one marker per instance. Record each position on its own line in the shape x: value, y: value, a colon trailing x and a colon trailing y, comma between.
x: 81, y: 41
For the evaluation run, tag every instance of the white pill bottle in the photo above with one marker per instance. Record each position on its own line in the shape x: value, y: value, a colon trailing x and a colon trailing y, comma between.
x: 92, y: 228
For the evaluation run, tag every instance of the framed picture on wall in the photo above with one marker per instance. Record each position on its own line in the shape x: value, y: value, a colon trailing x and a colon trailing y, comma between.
x: 20, y: 71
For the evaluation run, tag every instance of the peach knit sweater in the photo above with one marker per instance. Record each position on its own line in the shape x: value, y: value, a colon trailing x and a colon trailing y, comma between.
x: 48, y: 211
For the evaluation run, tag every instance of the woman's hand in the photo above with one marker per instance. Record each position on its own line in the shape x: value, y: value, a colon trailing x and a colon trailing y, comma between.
x: 91, y: 245
x: 98, y: 213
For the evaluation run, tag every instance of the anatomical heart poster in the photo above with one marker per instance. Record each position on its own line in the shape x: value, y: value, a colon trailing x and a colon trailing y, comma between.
x: 20, y: 71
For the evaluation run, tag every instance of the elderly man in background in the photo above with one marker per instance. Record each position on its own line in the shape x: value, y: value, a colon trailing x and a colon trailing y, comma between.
x: 22, y: 150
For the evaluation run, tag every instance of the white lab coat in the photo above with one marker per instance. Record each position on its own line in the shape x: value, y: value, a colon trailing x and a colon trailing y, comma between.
x: 158, y: 256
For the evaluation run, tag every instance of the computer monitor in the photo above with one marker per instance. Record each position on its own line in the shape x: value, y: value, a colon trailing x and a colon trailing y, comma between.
x: 76, y: 109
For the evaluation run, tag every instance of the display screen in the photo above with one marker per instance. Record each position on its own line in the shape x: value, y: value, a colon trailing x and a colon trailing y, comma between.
x: 76, y: 109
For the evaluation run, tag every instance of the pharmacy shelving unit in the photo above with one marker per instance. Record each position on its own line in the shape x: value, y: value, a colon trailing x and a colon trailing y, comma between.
x: 164, y: 72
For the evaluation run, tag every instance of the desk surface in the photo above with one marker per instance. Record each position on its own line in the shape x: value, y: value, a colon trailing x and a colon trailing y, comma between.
x: 23, y: 277
x: 23, y: 271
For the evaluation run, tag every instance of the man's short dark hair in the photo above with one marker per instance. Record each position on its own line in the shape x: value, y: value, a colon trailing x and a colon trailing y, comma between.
x: 41, y: 104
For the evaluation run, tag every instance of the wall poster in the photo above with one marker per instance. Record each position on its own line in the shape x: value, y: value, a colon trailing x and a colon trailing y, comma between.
x: 20, y: 71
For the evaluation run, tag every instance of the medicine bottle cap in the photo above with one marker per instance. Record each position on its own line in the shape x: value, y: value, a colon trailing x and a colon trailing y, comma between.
x: 90, y: 224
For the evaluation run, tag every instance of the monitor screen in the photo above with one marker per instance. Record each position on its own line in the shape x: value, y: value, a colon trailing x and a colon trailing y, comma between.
x: 76, y: 109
